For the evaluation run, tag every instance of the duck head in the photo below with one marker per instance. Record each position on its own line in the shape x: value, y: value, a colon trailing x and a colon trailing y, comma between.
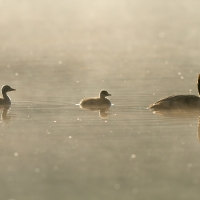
x: 104, y: 94
x: 7, y: 88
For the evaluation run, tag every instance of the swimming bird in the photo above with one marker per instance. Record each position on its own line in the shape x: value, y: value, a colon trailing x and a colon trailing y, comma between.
x: 6, y: 99
x: 100, y: 102
x: 178, y: 101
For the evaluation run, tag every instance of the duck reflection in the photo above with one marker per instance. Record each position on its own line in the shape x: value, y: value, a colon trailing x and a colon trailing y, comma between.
x: 103, y: 112
x: 181, y: 114
x: 177, y: 112
x: 5, y: 117
x: 198, y: 132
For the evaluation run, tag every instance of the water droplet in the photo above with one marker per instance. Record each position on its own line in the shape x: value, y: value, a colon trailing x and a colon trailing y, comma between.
x: 133, y: 156
x: 48, y: 132
x: 16, y: 154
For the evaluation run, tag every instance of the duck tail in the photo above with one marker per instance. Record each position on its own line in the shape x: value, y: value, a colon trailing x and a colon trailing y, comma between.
x: 198, y: 84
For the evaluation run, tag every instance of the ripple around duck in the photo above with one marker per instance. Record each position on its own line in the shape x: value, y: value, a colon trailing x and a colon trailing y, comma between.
x: 122, y: 114
x: 41, y: 110
x: 40, y: 104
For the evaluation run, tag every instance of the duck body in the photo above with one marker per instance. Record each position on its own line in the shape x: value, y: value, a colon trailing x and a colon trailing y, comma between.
x: 6, y: 99
x: 177, y: 102
x: 95, y: 102
x: 100, y: 102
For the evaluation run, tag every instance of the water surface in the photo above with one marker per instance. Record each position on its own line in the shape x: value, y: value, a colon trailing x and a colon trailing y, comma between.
x: 55, y: 54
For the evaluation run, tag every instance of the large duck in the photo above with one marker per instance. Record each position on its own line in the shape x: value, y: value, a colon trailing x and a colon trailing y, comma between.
x: 178, y: 101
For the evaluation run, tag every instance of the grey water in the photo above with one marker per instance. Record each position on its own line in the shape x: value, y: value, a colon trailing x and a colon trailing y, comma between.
x: 56, y: 53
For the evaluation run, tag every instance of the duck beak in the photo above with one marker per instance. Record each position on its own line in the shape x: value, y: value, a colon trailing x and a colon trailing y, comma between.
x: 109, y: 95
x: 11, y: 89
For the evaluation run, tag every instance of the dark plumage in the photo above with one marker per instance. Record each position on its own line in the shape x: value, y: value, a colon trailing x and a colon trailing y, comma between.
x: 100, y: 102
x: 178, y: 101
x: 6, y: 100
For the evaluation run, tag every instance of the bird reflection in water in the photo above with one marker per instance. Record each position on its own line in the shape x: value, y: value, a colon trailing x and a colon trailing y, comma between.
x: 181, y: 114
x: 5, y: 117
x: 198, y: 132
x: 103, y: 112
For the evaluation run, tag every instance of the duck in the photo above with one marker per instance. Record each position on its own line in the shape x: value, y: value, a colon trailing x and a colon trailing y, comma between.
x: 6, y: 99
x: 178, y: 101
x: 100, y: 102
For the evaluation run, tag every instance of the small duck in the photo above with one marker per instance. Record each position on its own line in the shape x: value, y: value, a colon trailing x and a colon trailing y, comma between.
x: 96, y: 102
x: 6, y: 99
x: 178, y: 101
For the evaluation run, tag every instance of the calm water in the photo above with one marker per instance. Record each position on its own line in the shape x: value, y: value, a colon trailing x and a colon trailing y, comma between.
x: 57, y: 54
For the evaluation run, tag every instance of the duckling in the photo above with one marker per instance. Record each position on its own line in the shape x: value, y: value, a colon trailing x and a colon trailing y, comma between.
x: 6, y: 99
x: 178, y: 101
x: 96, y: 102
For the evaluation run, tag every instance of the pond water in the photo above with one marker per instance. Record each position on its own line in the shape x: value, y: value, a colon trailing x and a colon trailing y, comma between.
x: 55, y: 54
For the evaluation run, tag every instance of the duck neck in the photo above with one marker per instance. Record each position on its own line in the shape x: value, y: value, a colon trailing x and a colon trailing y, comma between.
x: 198, y: 84
x: 102, y: 96
x: 5, y: 96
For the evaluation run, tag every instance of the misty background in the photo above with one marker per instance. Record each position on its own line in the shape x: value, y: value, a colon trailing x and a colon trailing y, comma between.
x: 54, y: 53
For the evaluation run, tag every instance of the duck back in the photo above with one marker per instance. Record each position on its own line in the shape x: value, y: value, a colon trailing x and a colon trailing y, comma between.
x: 96, y: 102
x: 177, y: 102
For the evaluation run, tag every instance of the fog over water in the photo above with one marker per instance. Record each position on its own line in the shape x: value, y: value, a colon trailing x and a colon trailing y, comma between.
x: 55, y: 54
